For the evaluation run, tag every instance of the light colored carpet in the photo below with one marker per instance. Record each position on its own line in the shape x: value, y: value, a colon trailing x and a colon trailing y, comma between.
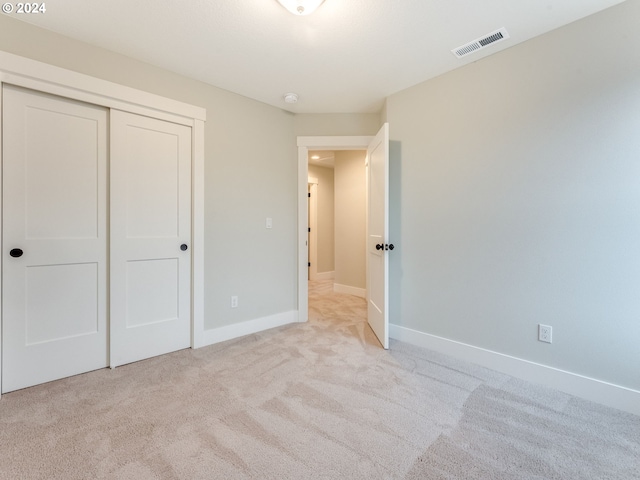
x: 319, y: 400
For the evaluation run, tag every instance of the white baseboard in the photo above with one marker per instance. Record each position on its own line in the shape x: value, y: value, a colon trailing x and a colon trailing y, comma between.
x: 229, y: 332
x: 325, y: 276
x: 598, y: 391
x: 358, y: 292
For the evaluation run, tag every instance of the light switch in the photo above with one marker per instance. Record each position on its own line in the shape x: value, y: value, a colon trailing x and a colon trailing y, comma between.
x: 269, y: 222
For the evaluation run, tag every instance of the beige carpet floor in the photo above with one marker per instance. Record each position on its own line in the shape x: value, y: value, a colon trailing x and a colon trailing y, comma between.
x: 319, y: 400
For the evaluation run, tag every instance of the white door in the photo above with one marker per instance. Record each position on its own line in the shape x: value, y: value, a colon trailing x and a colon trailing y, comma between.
x: 309, y: 246
x: 312, y: 237
x: 54, y: 309
x: 378, y: 244
x: 150, y: 237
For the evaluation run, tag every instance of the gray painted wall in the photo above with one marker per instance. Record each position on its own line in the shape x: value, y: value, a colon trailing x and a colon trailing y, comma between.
x: 516, y: 200
x: 329, y: 124
x: 250, y: 174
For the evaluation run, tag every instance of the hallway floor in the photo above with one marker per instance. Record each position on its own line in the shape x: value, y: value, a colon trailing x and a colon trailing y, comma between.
x: 347, y: 313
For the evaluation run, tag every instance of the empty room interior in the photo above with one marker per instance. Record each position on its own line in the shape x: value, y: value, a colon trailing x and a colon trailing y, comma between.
x: 320, y: 239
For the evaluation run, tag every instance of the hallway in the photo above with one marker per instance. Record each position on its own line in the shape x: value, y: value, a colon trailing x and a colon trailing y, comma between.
x: 347, y: 314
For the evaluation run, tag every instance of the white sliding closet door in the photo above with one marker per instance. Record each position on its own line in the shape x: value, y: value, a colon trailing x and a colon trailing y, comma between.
x: 54, y: 238
x: 150, y: 304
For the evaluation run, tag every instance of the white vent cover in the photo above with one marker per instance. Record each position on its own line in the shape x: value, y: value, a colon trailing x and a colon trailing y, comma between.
x: 481, y: 43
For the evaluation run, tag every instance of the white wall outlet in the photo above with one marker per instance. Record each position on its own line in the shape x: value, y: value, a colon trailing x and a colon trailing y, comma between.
x: 234, y: 301
x: 269, y: 223
x: 544, y: 333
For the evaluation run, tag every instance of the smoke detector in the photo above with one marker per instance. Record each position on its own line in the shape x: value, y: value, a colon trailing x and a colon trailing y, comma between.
x: 291, y: 97
x: 301, y: 7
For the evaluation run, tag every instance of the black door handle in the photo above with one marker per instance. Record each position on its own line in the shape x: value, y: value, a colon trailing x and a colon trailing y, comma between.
x: 183, y: 247
x: 390, y: 247
x: 16, y: 252
x: 379, y: 246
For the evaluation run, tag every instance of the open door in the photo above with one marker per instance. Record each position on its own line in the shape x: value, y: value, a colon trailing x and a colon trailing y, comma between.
x: 378, y: 244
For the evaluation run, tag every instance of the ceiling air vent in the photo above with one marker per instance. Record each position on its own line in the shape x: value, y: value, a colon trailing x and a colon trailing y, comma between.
x: 481, y: 43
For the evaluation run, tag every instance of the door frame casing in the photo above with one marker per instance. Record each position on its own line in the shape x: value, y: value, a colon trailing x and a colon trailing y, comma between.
x: 313, y: 226
x: 306, y: 143
x: 39, y: 76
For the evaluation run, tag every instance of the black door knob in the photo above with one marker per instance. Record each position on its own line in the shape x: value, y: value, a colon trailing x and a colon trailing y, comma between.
x: 183, y: 247
x: 16, y: 252
x: 379, y: 246
x: 390, y: 246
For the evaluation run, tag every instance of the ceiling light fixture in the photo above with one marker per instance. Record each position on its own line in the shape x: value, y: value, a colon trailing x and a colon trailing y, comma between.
x: 291, y: 97
x: 301, y: 7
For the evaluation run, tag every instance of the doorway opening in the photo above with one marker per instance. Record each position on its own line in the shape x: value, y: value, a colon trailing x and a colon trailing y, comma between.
x: 320, y: 146
x: 337, y: 219
x: 337, y: 243
x: 376, y: 223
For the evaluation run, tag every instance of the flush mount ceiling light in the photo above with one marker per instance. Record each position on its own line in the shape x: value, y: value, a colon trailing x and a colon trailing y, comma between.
x: 291, y: 97
x: 301, y: 7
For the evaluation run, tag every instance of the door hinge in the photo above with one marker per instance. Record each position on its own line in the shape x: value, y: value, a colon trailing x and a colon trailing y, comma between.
x: 309, y: 264
x: 309, y: 229
x: 309, y: 194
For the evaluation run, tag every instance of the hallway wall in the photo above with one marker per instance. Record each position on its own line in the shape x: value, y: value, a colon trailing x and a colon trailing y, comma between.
x: 326, y: 218
x: 350, y: 230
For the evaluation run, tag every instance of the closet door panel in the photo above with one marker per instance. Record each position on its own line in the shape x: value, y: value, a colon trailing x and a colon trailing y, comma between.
x: 54, y: 276
x: 150, y: 237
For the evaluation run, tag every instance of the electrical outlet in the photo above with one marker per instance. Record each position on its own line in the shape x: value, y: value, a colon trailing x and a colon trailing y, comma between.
x: 234, y: 301
x: 544, y: 333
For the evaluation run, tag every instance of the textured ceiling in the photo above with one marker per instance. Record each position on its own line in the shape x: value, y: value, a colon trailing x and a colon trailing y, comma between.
x: 346, y: 57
